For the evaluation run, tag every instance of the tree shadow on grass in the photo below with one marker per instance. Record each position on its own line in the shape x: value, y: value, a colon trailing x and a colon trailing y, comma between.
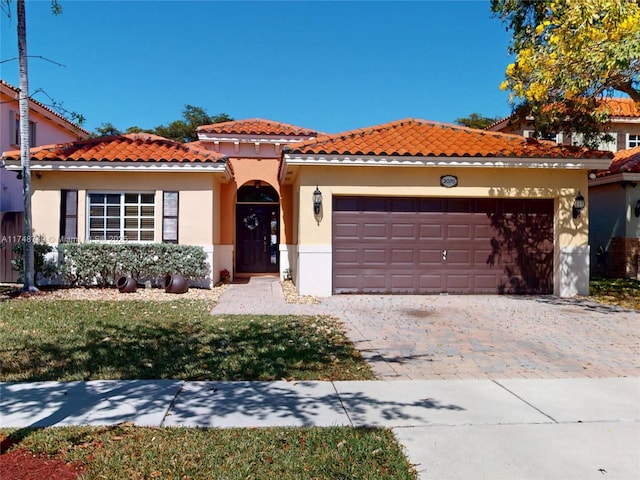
x: 239, y: 348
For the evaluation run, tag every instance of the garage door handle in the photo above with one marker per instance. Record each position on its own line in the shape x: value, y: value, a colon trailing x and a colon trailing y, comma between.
x: 444, y: 254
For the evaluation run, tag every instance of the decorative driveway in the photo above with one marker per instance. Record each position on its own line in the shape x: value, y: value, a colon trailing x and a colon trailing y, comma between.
x: 465, y: 337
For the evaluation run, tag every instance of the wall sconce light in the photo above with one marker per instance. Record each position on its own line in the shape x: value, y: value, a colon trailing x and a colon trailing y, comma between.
x: 317, y: 201
x: 578, y: 205
x: 257, y: 184
x: 637, y: 209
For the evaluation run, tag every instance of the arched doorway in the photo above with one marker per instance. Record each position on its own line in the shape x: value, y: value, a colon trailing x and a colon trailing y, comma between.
x: 257, y: 228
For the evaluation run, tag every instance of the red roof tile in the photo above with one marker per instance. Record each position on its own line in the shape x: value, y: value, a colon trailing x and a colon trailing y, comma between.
x: 617, y: 107
x: 72, y: 125
x: 621, y: 107
x: 257, y: 126
x: 624, y: 161
x: 131, y: 147
x: 420, y: 138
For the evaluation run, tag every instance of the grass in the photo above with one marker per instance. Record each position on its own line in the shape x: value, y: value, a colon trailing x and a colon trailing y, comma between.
x: 616, y: 291
x: 68, y: 340
x: 179, y: 453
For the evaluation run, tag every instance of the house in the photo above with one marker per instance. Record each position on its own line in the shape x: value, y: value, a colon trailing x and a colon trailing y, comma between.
x: 409, y: 206
x: 623, y: 126
x: 614, y: 231
x: 45, y: 127
x: 614, y: 217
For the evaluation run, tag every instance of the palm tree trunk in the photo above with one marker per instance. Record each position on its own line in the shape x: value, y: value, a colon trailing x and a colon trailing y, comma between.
x: 25, y: 143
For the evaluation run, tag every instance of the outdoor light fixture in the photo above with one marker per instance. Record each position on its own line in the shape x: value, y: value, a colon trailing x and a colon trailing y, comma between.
x: 578, y: 205
x: 257, y: 184
x: 637, y: 209
x: 317, y: 201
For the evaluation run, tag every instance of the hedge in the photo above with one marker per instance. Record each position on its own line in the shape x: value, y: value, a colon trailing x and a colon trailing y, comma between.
x: 103, y: 263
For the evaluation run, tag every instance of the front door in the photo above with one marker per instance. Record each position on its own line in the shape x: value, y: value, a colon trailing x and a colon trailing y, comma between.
x: 257, y: 233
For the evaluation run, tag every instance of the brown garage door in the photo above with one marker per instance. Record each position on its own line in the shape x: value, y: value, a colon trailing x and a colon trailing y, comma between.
x: 438, y: 245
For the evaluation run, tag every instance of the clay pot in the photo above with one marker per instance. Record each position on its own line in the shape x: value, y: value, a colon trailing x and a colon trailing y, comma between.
x: 175, y: 283
x: 126, y: 285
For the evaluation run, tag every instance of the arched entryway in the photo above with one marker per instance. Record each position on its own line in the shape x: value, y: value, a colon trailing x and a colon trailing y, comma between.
x: 257, y: 228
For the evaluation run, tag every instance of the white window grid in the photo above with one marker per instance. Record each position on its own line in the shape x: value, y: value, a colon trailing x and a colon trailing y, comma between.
x: 121, y: 216
x: 633, y: 140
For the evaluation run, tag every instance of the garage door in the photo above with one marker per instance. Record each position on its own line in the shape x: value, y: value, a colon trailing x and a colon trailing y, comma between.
x: 442, y: 245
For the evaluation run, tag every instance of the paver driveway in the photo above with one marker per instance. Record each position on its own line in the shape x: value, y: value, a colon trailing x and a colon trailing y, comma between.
x: 467, y: 336
x: 454, y: 337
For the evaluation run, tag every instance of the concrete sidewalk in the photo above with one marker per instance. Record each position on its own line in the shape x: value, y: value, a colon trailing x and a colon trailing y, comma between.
x: 454, y: 429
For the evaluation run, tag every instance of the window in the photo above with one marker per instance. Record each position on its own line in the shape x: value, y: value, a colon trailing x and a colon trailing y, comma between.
x: 611, y: 145
x: 554, y: 137
x: 14, y: 130
x: 633, y: 140
x: 122, y: 216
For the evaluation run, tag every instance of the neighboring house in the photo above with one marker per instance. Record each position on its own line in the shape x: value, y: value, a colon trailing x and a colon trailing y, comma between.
x: 623, y: 126
x: 405, y: 207
x: 45, y: 127
x: 614, y: 217
x: 614, y: 232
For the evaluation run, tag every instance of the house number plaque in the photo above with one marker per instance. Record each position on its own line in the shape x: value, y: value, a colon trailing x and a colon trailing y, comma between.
x: 449, y: 181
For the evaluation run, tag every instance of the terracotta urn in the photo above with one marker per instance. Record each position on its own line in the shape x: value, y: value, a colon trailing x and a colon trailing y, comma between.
x: 126, y: 285
x: 175, y: 283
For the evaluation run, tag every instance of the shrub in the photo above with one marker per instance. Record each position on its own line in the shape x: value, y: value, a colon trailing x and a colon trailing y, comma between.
x: 41, y: 265
x: 103, y: 263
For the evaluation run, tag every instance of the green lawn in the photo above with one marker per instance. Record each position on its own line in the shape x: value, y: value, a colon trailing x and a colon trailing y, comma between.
x: 69, y: 340
x: 86, y: 340
x: 125, y: 452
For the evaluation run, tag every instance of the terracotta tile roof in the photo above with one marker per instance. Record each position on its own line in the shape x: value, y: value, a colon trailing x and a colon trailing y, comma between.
x: 72, y: 125
x: 420, y: 138
x: 622, y: 107
x: 131, y: 147
x: 257, y: 126
x: 624, y: 161
x: 618, y: 108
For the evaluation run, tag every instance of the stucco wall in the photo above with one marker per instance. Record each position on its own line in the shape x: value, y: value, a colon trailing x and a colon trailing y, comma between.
x: 315, y: 239
x: 197, y: 205
x: 48, y: 131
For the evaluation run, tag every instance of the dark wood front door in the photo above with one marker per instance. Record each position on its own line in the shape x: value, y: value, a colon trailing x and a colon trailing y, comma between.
x: 257, y: 240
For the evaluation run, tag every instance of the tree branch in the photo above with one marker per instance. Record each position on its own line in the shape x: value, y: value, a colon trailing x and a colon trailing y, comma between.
x: 34, y: 56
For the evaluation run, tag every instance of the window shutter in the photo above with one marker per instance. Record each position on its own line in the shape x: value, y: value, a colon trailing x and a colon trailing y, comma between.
x: 69, y: 216
x: 170, y: 217
x: 13, y: 131
x: 32, y: 134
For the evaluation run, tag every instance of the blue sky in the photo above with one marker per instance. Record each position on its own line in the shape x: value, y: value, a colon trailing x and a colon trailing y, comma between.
x: 330, y: 66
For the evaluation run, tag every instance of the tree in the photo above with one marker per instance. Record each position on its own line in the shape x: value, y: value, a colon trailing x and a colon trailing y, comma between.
x: 475, y: 120
x: 106, y: 129
x: 184, y: 130
x: 25, y: 143
x: 569, y: 54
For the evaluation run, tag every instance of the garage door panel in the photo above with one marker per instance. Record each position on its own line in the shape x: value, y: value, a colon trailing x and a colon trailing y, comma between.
x: 375, y: 230
x: 400, y: 242
x: 457, y: 257
x: 346, y: 256
x: 403, y: 256
x: 346, y: 231
x: 458, y: 232
x: 430, y: 257
x: 432, y: 230
x: 402, y: 283
x: 403, y: 231
x: 457, y: 283
x: 373, y: 256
